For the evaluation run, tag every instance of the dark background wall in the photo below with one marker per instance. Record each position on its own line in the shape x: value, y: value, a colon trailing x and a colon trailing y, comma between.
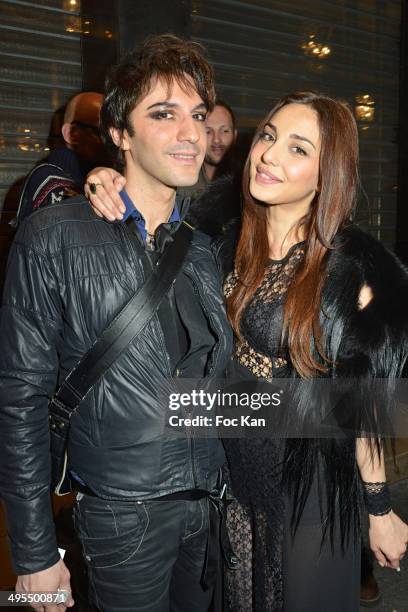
x: 138, y: 19
x: 402, y: 215
x: 99, y: 41
x: 116, y: 27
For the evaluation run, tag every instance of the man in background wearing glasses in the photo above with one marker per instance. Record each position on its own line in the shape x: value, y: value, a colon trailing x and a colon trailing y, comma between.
x: 63, y: 173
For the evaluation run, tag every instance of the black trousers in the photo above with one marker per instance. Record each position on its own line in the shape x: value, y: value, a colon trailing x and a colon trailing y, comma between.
x: 144, y: 556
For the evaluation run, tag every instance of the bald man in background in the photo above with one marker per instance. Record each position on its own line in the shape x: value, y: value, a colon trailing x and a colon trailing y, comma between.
x: 63, y: 173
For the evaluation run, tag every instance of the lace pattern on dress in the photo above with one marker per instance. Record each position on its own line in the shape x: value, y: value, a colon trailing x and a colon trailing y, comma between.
x: 255, y: 517
x: 279, y: 274
x: 255, y: 525
x: 260, y: 365
x: 262, y: 319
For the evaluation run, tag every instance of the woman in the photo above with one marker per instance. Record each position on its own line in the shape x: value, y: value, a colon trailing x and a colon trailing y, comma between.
x: 308, y: 295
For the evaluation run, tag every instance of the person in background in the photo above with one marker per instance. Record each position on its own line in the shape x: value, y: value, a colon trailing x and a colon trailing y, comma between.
x: 62, y: 174
x: 222, y: 135
x: 221, y: 138
x: 215, y: 198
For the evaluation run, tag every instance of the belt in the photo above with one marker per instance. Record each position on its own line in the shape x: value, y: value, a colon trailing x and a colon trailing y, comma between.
x: 189, y: 495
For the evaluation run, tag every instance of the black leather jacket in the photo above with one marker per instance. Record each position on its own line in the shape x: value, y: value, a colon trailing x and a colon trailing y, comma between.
x: 69, y: 273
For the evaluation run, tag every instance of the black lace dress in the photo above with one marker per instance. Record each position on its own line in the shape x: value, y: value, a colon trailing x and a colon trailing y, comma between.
x: 277, y: 571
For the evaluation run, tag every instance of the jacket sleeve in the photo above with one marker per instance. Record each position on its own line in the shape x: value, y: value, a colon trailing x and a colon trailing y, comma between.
x: 30, y: 330
x: 45, y: 185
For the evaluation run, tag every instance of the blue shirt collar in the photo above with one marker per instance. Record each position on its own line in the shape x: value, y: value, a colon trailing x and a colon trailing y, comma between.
x: 132, y: 211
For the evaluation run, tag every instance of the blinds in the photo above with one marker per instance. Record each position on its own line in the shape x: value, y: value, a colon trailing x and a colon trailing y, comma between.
x: 40, y: 69
x: 348, y: 49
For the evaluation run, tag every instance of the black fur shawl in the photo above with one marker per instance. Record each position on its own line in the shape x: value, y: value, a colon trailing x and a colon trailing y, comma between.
x: 361, y: 344
x: 371, y: 341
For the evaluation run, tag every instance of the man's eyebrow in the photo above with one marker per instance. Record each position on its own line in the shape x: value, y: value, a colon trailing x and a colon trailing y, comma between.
x: 218, y: 127
x: 166, y: 104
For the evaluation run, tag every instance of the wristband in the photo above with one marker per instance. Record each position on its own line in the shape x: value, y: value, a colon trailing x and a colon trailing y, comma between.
x: 377, y: 498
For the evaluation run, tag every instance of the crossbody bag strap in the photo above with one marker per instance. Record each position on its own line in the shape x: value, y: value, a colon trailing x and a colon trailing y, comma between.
x: 125, y: 327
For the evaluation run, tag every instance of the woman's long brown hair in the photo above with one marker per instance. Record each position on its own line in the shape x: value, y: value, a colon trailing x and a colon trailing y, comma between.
x: 329, y: 212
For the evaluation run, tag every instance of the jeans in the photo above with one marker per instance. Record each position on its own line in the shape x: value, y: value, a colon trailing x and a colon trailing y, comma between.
x: 144, y: 556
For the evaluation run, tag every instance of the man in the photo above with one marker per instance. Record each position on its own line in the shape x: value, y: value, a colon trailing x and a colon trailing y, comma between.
x: 221, y: 137
x: 63, y: 173
x: 215, y: 197
x: 70, y: 273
